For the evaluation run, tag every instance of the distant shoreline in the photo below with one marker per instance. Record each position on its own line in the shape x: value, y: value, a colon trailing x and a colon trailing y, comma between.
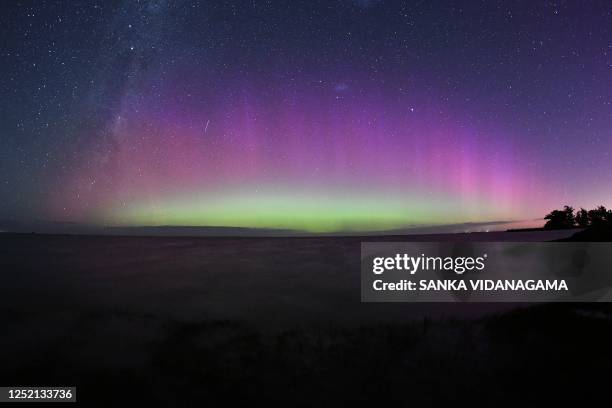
x: 518, y: 235
x: 542, y: 229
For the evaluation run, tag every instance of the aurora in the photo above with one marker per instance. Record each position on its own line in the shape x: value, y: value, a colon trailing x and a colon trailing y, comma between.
x: 156, y: 116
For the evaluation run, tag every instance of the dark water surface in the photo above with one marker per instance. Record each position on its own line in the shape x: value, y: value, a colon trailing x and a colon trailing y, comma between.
x: 189, y: 321
x: 273, y: 282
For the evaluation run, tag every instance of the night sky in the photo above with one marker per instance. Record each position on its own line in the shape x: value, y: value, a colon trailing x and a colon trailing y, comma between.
x: 310, y: 115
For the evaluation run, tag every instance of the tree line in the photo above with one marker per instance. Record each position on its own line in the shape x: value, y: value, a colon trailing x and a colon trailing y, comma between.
x: 569, y: 218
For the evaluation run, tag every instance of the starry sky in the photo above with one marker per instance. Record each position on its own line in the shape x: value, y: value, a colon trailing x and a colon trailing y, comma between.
x: 310, y: 115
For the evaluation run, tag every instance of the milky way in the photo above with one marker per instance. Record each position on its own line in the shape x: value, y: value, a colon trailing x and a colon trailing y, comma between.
x: 318, y: 116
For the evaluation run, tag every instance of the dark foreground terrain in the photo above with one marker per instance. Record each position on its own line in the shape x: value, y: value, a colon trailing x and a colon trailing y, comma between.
x: 213, y: 321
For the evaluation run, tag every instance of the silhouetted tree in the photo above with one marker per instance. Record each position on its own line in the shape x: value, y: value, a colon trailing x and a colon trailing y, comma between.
x: 599, y: 229
x: 599, y: 219
x: 582, y: 218
x: 600, y: 216
x: 559, y: 219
